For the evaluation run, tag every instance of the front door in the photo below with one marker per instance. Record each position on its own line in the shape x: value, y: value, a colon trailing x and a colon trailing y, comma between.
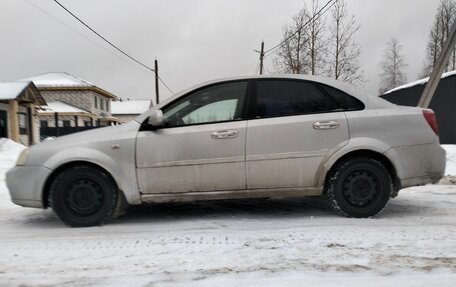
x: 3, y: 124
x: 296, y: 126
x: 201, y: 146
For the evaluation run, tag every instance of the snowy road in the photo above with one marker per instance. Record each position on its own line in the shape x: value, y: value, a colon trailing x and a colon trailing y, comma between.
x: 266, y: 242
x: 290, y: 242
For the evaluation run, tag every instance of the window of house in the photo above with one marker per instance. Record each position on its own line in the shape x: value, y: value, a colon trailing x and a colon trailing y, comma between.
x: 95, y: 102
x: 218, y: 103
x: 66, y: 123
x: 22, y: 123
x: 102, y: 104
x: 44, y: 124
x: 87, y: 123
x: 291, y: 97
x: 3, y: 124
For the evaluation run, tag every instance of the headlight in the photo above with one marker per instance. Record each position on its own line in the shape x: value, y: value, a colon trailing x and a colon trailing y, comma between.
x: 22, y: 157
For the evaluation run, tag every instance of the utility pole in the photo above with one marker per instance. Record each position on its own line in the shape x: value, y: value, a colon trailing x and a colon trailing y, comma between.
x: 439, y: 67
x: 261, y: 57
x: 157, y: 96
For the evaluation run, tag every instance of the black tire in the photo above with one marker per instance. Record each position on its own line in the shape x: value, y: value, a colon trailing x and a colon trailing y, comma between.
x: 83, y: 196
x: 359, y: 187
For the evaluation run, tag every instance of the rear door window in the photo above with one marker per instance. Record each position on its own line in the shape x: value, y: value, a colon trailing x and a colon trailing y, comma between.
x: 291, y: 97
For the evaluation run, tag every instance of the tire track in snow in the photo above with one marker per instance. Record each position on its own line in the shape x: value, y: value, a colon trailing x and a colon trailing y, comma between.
x: 310, y: 238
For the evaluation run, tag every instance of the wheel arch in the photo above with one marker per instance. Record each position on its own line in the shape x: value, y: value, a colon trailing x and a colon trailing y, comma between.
x: 362, y: 152
x: 67, y: 165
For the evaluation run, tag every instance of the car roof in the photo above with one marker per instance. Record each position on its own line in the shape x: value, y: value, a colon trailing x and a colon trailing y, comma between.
x: 347, y: 88
x: 369, y: 100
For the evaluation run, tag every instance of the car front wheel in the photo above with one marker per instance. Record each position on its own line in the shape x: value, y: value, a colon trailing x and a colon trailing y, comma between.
x: 359, y: 187
x: 84, y: 196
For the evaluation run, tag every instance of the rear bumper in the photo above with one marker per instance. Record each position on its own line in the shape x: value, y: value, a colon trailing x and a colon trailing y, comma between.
x: 25, y: 184
x: 419, y: 164
x: 433, y: 178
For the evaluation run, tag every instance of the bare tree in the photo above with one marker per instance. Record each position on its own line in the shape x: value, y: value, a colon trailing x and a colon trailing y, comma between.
x: 316, y: 44
x: 392, y: 66
x: 446, y: 14
x: 304, y: 48
x: 343, y: 52
x: 291, y: 57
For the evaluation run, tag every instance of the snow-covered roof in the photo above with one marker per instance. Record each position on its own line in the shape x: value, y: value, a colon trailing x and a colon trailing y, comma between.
x: 65, y: 81
x: 420, y: 82
x: 129, y: 107
x: 11, y: 90
x: 58, y: 80
x: 15, y: 91
x: 61, y: 107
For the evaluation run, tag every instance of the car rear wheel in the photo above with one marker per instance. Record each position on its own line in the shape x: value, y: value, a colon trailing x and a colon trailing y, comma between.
x: 84, y: 196
x: 359, y: 187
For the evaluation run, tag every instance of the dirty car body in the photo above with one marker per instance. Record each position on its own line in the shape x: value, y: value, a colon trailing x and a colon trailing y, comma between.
x: 267, y: 136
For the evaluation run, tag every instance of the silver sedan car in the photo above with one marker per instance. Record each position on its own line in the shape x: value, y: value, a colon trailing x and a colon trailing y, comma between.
x: 246, y: 137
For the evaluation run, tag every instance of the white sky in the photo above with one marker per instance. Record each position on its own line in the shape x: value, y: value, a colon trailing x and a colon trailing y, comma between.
x: 194, y: 41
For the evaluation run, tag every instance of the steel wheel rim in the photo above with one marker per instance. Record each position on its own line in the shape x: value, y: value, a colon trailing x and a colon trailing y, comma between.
x: 361, y: 188
x: 84, y: 197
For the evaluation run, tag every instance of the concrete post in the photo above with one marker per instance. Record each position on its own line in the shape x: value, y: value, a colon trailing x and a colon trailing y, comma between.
x: 439, y: 67
x: 13, y: 120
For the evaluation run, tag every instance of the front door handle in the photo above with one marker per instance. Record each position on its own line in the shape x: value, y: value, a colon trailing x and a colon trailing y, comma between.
x: 326, y: 125
x: 226, y: 134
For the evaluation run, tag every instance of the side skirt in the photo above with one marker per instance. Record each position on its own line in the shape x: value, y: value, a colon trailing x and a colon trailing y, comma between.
x: 233, y: 194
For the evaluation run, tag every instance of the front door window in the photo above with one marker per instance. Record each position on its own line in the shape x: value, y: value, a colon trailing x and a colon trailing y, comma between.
x: 219, y: 103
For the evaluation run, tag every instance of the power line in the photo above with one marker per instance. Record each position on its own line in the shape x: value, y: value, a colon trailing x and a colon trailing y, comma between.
x: 111, y: 44
x: 315, y: 17
x: 106, y: 40
x: 164, y: 84
x: 81, y: 34
x: 257, y: 67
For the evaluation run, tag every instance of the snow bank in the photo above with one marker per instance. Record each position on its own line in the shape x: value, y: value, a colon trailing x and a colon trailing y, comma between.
x: 451, y: 159
x: 9, y: 151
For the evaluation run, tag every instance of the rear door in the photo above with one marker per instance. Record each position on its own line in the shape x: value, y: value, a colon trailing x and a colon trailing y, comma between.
x: 296, y: 125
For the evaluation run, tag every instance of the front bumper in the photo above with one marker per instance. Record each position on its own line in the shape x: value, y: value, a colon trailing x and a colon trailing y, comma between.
x: 25, y: 184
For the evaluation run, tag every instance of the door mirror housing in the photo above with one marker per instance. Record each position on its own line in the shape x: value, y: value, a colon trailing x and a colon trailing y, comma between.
x: 156, y: 119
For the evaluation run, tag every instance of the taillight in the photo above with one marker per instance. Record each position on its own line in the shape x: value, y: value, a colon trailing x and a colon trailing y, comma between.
x: 431, y: 119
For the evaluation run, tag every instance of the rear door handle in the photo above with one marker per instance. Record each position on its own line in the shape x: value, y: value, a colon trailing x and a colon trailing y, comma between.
x: 226, y: 134
x: 326, y: 125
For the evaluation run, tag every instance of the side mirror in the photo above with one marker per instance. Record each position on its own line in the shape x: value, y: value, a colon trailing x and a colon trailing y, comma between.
x: 156, y: 118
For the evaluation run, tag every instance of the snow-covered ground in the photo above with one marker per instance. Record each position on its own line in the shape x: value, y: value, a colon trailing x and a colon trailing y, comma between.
x: 289, y: 242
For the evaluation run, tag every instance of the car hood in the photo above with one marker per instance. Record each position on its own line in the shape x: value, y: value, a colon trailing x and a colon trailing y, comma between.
x: 94, y: 135
x: 99, y: 139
